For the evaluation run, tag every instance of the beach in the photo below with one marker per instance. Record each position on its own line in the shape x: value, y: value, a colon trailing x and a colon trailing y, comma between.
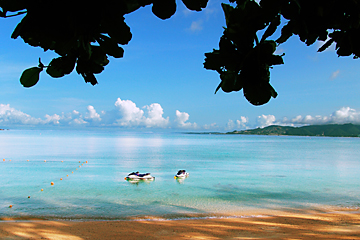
x: 70, y: 185
x: 294, y: 224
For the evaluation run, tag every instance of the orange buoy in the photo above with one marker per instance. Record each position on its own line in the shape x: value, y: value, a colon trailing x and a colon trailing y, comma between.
x: 67, y: 175
x: 42, y: 189
x: 75, y: 169
x: 79, y: 161
x: 4, y: 159
x: 72, y: 172
x: 62, y: 161
x: 60, y: 178
x: 28, y: 196
x: 10, y: 206
x: 86, y: 161
x: 27, y: 160
x: 52, y: 183
x: 44, y: 160
x: 10, y: 160
x: 79, y: 166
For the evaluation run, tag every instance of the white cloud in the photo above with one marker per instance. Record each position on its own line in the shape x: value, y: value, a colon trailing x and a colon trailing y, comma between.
x: 196, y: 26
x: 265, y: 120
x: 92, y: 114
x: 210, y: 126
x: 9, y: 115
x: 334, y: 74
x: 238, y: 124
x: 131, y: 115
x: 341, y: 116
x: 155, y: 118
x: 181, y: 118
x: 54, y: 119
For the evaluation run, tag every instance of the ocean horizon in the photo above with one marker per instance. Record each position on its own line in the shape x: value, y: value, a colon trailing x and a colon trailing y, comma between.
x: 229, y: 174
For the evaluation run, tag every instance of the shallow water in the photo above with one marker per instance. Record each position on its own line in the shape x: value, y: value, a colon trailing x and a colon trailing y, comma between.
x: 228, y: 173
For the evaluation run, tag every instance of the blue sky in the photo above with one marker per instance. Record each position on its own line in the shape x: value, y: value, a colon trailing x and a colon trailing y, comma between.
x: 161, y: 83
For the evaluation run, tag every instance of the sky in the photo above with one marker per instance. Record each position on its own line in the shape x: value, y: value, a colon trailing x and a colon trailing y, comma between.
x: 161, y: 83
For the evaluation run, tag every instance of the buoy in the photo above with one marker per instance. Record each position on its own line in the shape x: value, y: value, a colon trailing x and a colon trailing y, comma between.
x: 79, y: 161
x: 75, y: 169
x: 62, y: 161
x: 86, y: 161
x: 10, y: 160
x: 174, y: 177
x: 125, y: 178
x: 79, y: 166
x: 82, y: 164
x: 72, y: 172
x: 28, y: 196
x: 60, y: 178
x: 42, y: 189
x: 27, y: 160
x: 52, y: 183
x: 4, y: 159
x: 44, y: 160
x: 10, y: 206
x: 67, y: 175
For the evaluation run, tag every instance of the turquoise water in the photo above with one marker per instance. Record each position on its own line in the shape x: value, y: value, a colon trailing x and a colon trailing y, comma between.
x: 228, y: 173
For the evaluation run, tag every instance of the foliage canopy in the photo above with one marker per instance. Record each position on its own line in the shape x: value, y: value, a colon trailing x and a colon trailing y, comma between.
x: 84, y: 35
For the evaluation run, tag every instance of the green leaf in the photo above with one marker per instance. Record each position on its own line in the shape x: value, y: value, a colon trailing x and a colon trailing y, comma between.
x: 326, y: 45
x: 272, y: 27
x: 110, y: 46
x: 164, y: 9
x: 117, y: 29
x: 286, y: 32
x: 30, y: 76
x: 12, y: 5
x: 61, y: 66
x: 274, y: 60
x: 89, y: 77
x: 196, y: 5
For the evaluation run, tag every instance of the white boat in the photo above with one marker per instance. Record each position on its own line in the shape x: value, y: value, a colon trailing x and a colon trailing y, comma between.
x: 139, y: 176
x: 181, y: 174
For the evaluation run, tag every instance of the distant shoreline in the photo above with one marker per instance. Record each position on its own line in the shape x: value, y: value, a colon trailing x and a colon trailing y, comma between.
x: 329, y: 130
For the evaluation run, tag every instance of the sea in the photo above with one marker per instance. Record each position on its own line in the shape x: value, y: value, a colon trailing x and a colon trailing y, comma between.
x: 79, y: 174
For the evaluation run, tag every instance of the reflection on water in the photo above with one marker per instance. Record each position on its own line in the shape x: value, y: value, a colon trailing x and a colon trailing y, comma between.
x: 228, y: 173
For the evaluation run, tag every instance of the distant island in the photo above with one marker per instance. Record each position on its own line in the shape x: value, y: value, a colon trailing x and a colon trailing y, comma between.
x: 329, y: 130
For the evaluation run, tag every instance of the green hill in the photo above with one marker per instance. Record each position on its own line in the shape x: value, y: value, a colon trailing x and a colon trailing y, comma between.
x: 330, y: 130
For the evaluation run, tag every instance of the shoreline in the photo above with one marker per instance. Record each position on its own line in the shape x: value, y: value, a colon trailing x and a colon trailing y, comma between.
x: 303, y: 224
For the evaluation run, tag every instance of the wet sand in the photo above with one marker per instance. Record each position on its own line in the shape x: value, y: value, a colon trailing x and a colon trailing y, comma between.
x: 294, y: 224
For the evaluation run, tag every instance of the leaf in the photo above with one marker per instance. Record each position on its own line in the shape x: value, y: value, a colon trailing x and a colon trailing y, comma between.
x: 110, y: 46
x: 196, y: 5
x: 61, y: 66
x: 272, y: 28
x: 17, y: 31
x: 117, y: 29
x: 30, y: 76
x: 274, y: 60
x: 286, y: 32
x: 13, y: 5
x: 227, y: 11
x: 164, y: 9
x: 326, y: 45
x: 89, y: 77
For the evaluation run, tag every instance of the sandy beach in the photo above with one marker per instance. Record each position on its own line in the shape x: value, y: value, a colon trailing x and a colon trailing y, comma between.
x: 300, y: 224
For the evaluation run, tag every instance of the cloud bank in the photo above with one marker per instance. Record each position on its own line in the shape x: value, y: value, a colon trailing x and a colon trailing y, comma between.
x: 341, y: 116
x: 125, y: 114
